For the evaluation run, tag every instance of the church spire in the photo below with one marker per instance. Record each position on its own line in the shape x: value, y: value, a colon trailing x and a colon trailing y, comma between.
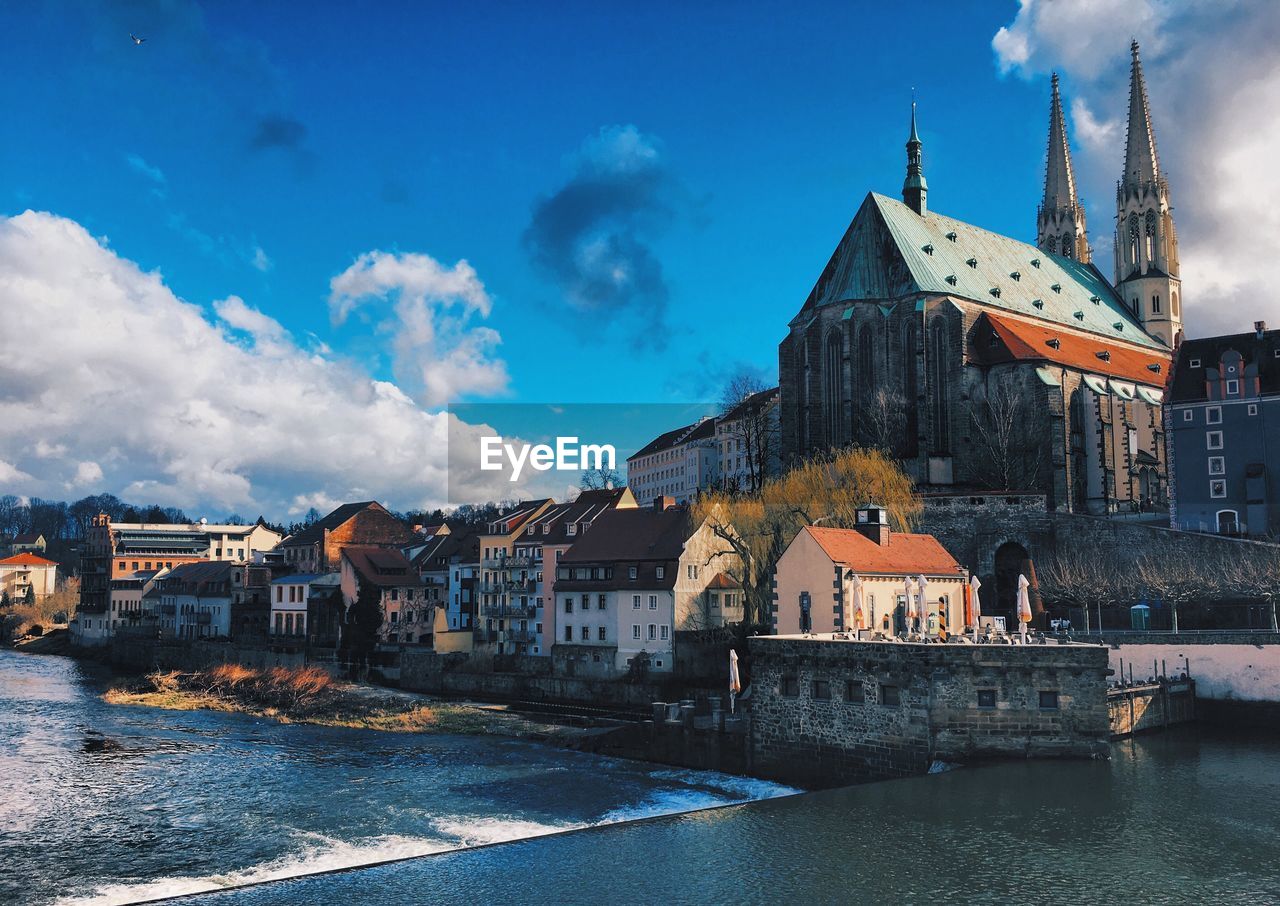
x: 915, y: 190
x: 1141, y: 163
x: 1060, y: 222
x: 1146, y: 248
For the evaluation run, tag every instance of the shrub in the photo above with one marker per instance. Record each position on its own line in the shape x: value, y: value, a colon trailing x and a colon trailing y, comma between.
x: 36, y: 630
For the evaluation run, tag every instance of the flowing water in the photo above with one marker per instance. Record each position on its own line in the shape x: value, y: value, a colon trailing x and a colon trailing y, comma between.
x: 203, y: 801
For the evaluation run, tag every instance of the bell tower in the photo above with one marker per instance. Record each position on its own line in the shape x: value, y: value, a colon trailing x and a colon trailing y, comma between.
x: 1147, y: 272
x: 1060, y: 223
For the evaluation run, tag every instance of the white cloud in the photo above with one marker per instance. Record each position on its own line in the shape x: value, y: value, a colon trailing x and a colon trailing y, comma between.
x: 438, y: 353
x: 152, y: 174
x: 260, y: 260
x: 149, y: 398
x: 1213, y: 77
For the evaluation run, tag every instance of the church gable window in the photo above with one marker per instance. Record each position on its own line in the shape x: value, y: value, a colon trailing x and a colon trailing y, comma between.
x: 866, y: 361
x: 1131, y: 250
x: 1051, y: 245
x: 833, y: 386
x: 1068, y: 246
x: 1149, y: 237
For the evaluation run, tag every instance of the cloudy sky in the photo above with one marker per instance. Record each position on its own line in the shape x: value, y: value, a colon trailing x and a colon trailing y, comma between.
x: 244, y: 265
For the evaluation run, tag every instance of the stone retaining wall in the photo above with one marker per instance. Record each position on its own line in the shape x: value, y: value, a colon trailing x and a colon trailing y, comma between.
x: 826, y: 712
x: 1155, y: 707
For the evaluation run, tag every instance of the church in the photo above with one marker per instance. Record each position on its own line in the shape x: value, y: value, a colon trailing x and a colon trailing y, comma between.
x: 986, y: 363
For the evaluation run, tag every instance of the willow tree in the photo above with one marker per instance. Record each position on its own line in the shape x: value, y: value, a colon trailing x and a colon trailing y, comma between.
x: 754, y: 529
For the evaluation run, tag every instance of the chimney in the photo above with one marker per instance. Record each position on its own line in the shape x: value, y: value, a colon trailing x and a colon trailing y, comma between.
x: 1260, y: 327
x: 663, y: 503
x: 873, y: 523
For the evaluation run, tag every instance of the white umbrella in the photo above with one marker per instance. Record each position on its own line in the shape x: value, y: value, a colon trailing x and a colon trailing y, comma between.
x: 1024, y: 605
x: 735, y: 683
x: 910, y: 613
x: 975, y: 603
x: 859, y: 618
x: 921, y: 582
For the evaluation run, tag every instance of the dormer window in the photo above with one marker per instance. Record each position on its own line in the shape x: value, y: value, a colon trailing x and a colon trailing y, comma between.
x: 1035, y: 262
x: 1079, y: 315
x: 1053, y: 343
x: 1016, y: 275
x: 972, y: 262
x: 927, y: 249
x: 953, y: 280
x: 1057, y: 287
x: 951, y: 236
x: 994, y: 341
x: 1095, y: 300
x: 1037, y: 303
x: 1119, y: 325
x: 1154, y: 366
x: 1104, y: 355
x: 995, y: 291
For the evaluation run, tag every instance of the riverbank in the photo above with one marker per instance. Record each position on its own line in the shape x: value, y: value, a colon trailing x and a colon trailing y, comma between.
x: 309, y: 695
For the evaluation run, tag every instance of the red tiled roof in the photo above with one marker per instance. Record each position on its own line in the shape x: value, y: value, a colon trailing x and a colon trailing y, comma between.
x: 1026, y: 341
x: 905, y: 553
x: 26, y: 558
x: 723, y: 581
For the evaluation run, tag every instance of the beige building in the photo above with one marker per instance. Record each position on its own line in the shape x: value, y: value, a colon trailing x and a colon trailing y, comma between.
x: 818, y: 574
x: 27, y: 574
x: 407, y: 613
x: 677, y: 464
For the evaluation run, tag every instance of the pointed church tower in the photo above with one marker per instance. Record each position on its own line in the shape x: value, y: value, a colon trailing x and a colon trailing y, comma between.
x: 915, y: 191
x: 1147, y: 273
x: 1060, y: 225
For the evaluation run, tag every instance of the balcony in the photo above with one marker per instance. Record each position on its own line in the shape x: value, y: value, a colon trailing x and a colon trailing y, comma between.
x: 204, y: 619
x: 511, y: 562
x: 168, y: 610
x: 509, y: 610
x: 527, y: 636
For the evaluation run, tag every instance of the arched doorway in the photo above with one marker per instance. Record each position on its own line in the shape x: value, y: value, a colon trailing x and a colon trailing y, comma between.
x: 1010, y: 558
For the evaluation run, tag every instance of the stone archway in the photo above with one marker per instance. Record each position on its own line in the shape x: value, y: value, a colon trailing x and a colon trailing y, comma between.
x: 1009, y: 560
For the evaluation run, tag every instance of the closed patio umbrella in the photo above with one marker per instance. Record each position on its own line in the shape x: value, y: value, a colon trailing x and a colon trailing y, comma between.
x: 910, y: 613
x: 1024, y: 605
x: 921, y: 582
x: 735, y: 684
x: 859, y: 616
x: 975, y: 604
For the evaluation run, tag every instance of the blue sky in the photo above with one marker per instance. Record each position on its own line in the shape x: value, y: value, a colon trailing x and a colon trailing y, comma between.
x: 318, y: 132
x: 270, y: 243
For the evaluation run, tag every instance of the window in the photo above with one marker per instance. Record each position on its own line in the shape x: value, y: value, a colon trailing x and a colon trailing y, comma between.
x: 635, y: 602
x: 855, y: 692
x: 571, y: 529
x: 666, y: 632
x: 1217, y: 465
x: 653, y: 602
x: 821, y: 690
x: 1213, y: 439
x: 600, y: 601
x: 1233, y: 388
x: 692, y: 571
x: 653, y: 632
x: 986, y: 698
x: 586, y: 634
x: 790, y: 687
x: 890, y: 696
x: 1187, y: 415
x: 537, y: 627
x: 1253, y: 408
x: 395, y: 616
x: 660, y: 572
x: 1048, y: 700
x: 568, y: 633
x: 1217, y: 489
x: 568, y: 605
x: 635, y: 631
x: 603, y: 634
x: 1195, y: 363
x: 714, y: 600
x: 631, y: 572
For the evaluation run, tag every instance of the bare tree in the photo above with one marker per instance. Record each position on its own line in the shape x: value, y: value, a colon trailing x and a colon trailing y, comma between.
x: 880, y: 421
x: 600, y: 479
x: 1178, y: 577
x: 1255, y: 573
x: 749, y: 418
x: 1084, y: 577
x: 1008, y: 455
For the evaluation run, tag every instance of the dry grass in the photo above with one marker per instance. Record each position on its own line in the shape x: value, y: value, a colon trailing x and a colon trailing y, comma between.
x: 310, y: 695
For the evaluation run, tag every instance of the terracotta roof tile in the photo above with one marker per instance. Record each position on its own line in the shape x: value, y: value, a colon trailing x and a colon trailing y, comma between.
x: 26, y: 558
x: 905, y: 553
x: 1025, y: 341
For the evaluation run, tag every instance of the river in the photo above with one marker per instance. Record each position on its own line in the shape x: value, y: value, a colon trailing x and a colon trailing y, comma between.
x: 200, y: 801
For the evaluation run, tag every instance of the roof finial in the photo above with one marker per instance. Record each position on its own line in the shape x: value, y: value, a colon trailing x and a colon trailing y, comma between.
x: 1141, y: 161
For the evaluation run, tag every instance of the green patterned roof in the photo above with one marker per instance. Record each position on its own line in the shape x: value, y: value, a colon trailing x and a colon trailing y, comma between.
x: 938, y: 254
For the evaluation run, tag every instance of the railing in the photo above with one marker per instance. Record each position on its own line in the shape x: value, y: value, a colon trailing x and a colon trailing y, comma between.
x: 520, y: 635
x: 204, y: 619
x: 508, y: 610
x: 507, y: 562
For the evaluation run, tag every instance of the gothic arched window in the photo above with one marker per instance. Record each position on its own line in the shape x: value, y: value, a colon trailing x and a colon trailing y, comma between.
x: 866, y: 361
x: 832, y: 386
x: 1051, y: 245
x: 1068, y: 246
x: 939, y: 387
x: 909, y: 391
x: 1155, y: 304
x: 1133, y: 239
x: 1149, y: 237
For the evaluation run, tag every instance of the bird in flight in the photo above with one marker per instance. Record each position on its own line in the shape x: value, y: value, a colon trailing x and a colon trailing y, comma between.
x: 135, y: 38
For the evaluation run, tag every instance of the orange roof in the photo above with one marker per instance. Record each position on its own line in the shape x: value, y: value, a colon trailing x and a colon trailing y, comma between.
x: 26, y: 558
x: 723, y: 581
x: 1027, y: 341
x: 905, y: 554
